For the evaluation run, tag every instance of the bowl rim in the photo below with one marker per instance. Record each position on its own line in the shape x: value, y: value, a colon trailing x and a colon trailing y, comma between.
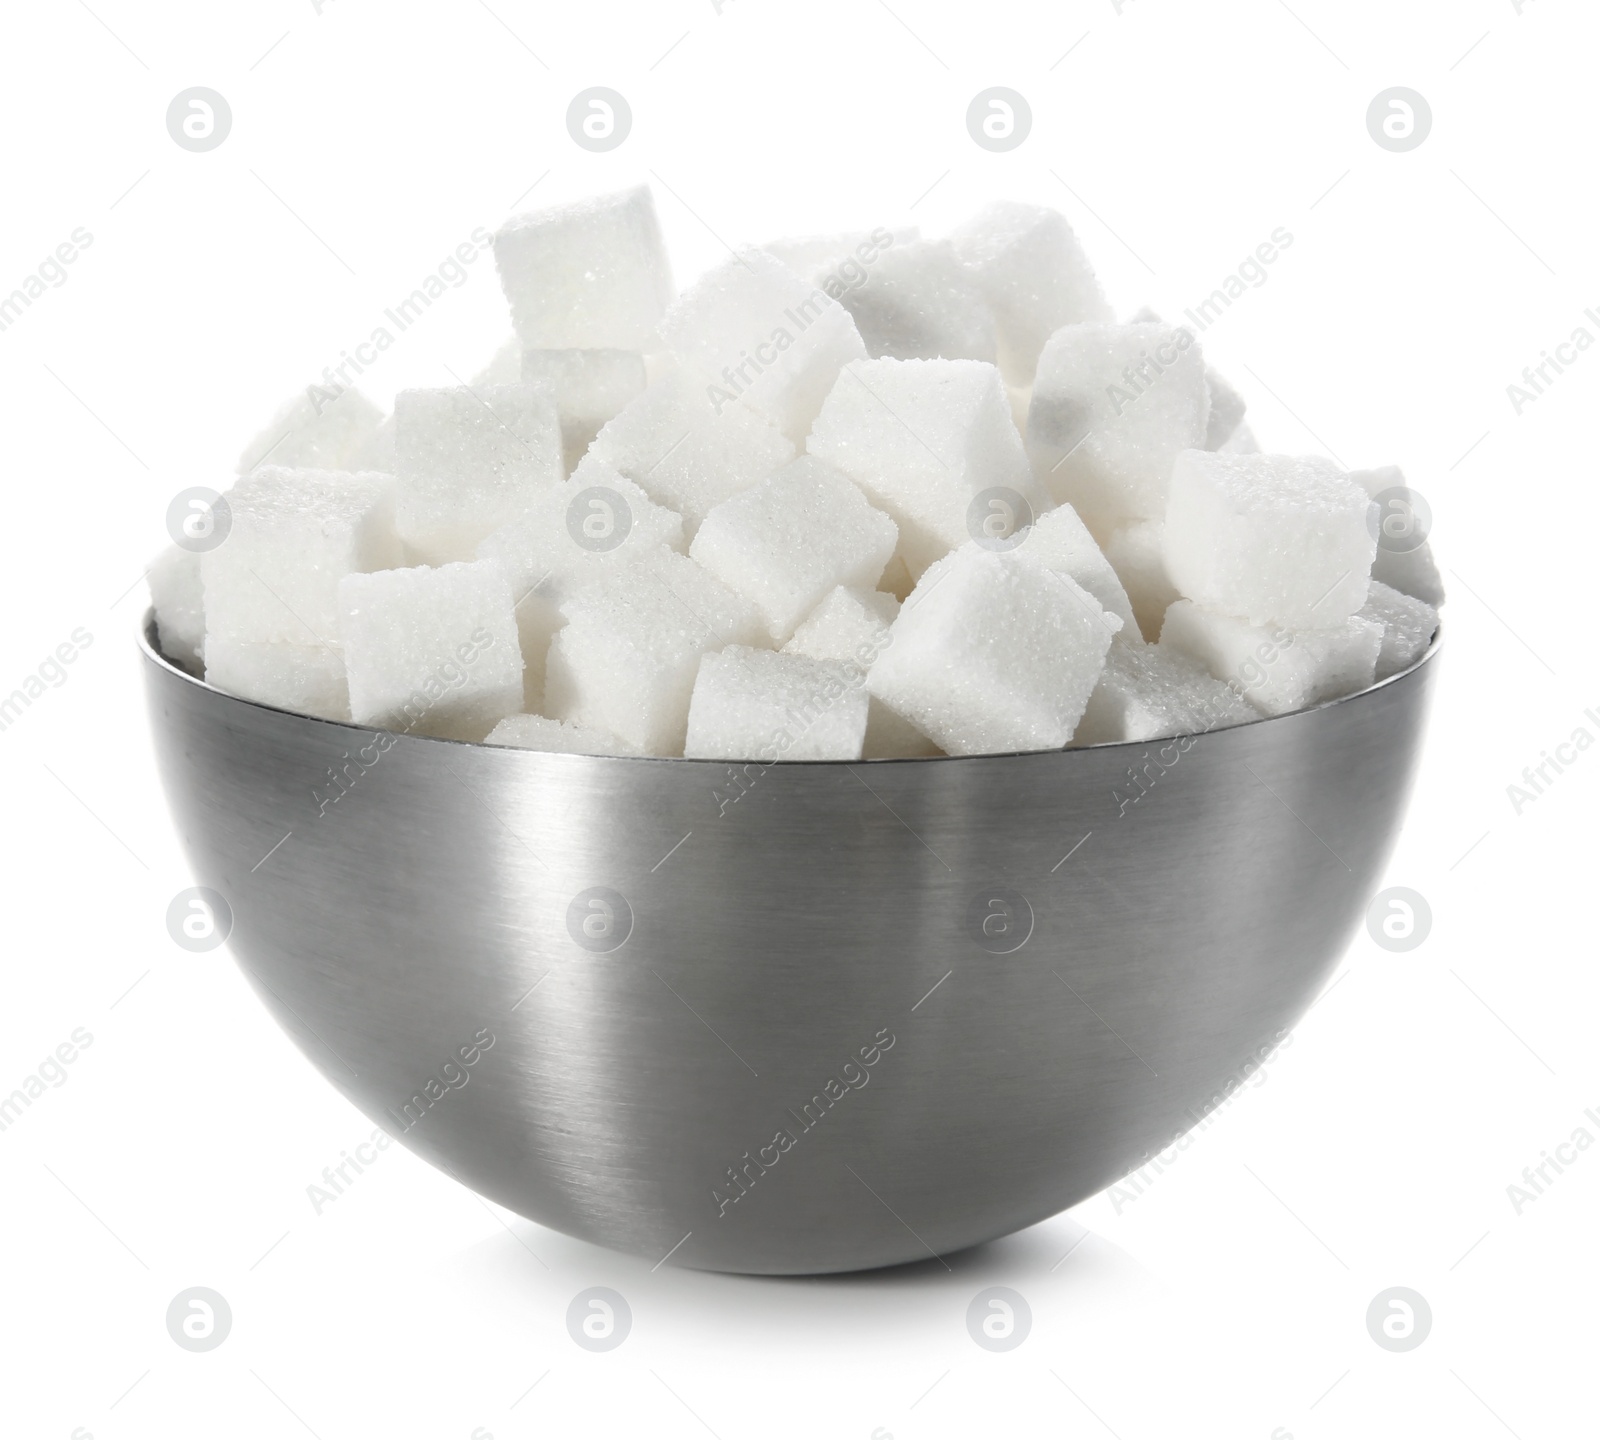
x: 153, y: 654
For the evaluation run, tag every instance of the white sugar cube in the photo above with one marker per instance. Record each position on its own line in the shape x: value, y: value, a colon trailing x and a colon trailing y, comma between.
x: 504, y: 367
x: 323, y: 427
x: 993, y: 653
x: 431, y: 652
x: 923, y: 439
x: 1268, y: 538
x: 685, y: 452
x: 1137, y: 555
x: 1035, y: 275
x: 1408, y: 627
x: 587, y: 276
x: 535, y: 732
x: 569, y: 535
x: 919, y: 302
x: 1277, y: 669
x: 466, y: 461
x: 625, y: 661
x: 753, y: 330
x: 850, y: 627
x: 1147, y: 692
x: 838, y: 262
x: 786, y: 542
x: 178, y: 596
x: 1061, y: 541
x: 294, y: 535
x: 1112, y: 407
x: 588, y: 386
x: 1411, y: 571
x: 307, y: 679
x: 758, y: 705
x: 1227, y: 411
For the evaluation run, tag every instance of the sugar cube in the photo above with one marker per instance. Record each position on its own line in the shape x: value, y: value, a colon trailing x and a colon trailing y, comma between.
x: 1035, y: 276
x: 592, y: 275
x: 1397, y: 563
x: 535, y: 732
x: 588, y: 386
x: 323, y: 427
x: 1242, y: 442
x: 786, y: 542
x: 1408, y: 627
x: 1227, y: 411
x: 1147, y: 692
x: 851, y: 627
x: 294, y: 534
x: 1061, y: 541
x: 838, y: 262
x: 918, y: 302
x: 753, y: 330
x: 1112, y: 407
x: 567, y: 536
x: 504, y: 367
x: 466, y: 461
x: 685, y: 452
x: 178, y: 595
x: 752, y: 704
x: 1268, y: 538
x: 1275, y: 668
x: 1137, y: 555
x: 992, y: 653
x: 431, y: 651
x: 625, y: 661
x: 924, y: 439
x: 307, y: 679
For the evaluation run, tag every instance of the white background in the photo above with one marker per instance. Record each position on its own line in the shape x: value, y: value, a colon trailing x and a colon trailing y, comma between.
x: 367, y: 141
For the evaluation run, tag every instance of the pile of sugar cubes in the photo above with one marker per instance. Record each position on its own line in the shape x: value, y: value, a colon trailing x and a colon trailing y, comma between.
x: 856, y: 496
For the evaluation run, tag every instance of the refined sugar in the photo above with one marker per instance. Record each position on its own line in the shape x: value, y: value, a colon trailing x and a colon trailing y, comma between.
x: 1137, y: 555
x: 924, y: 439
x: 323, y: 427
x: 568, y: 535
x: 1112, y: 407
x: 1227, y: 411
x: 294, y: 535
x: 504, y: 367
x: 753, y: 330
x: 178, y: 596
x: 431, y: 651
x: 1268, y: 538
x: 625, y: 661
x: 1035, y: 276
x: 684, y: 452
x: 1061, y: 541
x: 786, y: 542
x: 1277, y: 669
x: 1241, y: 442
x: 535, y: 732
x: 851, y: 627
x: 847, y: 625
x: 838, y: 262
x: 588, y: 386
x: 588, y: 276
x: 918, y: 302
x: 993, y: 652
x: 1408, y: 627
x: 758, y: 705
x: 308, y: 679
x: 1410, y: 571
x: 466, y: 461
x: 1147, y: 692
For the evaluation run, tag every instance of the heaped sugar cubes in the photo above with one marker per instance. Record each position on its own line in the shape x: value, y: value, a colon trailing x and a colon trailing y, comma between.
x: 857, y: 496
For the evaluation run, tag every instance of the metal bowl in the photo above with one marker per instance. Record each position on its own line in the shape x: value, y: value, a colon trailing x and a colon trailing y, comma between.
x: 796, y: 1019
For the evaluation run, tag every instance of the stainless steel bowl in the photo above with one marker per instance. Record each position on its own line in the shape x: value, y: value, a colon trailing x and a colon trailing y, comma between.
x: 807, y: 1018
